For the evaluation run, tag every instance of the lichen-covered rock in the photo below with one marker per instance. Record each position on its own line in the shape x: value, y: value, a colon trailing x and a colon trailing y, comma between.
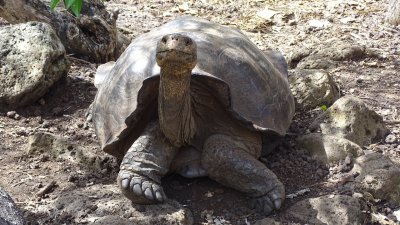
x: 326, y: 55
x: 32, y: 59
x: 379, y: 176
x: 328, y: 210
x: 9, y: 213
x: 350, y: 118
x: 328, y: 148
x: 313, y: 88
x: 103, y: 204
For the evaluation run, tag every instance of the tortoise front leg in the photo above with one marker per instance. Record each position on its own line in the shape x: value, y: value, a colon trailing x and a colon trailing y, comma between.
x: 143, y: 166
x: 227, y: 162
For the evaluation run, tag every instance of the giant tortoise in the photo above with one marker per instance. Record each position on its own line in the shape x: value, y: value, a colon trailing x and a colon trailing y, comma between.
x: 196, y: 98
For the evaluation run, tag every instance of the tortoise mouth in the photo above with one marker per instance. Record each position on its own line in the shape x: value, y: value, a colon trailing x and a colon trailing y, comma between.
x: 176, y: 58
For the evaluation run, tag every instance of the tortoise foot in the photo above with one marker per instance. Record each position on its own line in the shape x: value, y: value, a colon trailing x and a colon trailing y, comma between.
x: 267, y: 203
x: 140, y: 189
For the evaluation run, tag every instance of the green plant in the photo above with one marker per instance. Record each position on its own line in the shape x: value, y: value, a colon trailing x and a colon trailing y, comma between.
x: 324, y: 108
x: 74, y: 5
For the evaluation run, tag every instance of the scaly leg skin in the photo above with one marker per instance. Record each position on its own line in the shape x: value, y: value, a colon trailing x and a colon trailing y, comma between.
x: 227, y: 163
x: 146, y: 161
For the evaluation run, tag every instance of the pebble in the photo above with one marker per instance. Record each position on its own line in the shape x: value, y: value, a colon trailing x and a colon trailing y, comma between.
x: 390, y: 139
x: 46, y: 124
x: 347, y: 160
x: 357, y: 195
x: 11, y: 114
x: 89, y: 74
x: 59, y: 205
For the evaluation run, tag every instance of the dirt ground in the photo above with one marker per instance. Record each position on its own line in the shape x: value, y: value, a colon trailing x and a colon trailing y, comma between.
x: 376, y: 80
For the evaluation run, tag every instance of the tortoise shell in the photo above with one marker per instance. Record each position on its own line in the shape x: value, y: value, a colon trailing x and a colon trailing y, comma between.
x: 249, y: 83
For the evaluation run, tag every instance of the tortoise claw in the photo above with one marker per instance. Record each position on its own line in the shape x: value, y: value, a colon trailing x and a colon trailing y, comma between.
x: 267, y: 203
x: 140, y: 189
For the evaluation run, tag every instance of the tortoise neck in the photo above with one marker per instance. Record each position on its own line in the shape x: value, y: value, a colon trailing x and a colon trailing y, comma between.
x: 174, y: 107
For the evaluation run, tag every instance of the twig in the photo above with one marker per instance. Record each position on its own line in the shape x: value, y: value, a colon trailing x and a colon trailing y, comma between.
x: 81, y: 61
x: 46, y: 189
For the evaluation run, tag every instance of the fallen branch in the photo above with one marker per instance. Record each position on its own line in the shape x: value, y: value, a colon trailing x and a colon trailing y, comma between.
x: 46, y: 189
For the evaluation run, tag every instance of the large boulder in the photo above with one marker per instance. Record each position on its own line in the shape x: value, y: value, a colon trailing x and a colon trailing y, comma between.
x: 104, y: 204
x: 327, y: 55
x: 313, y: 88
x: 350, y: 118
x: 9, y: 213
x: 377, y: 175
x: 32, y: 59
x: 328, y: 210
x: 328, y: 148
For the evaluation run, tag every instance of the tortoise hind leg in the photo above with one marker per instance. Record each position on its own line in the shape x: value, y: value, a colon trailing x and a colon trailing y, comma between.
x: 143, y: 166
x: 228, y: 163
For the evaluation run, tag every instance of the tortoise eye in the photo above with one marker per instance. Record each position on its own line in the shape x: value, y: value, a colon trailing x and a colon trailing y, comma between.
x: 188, y: 42
x: 164, y: 40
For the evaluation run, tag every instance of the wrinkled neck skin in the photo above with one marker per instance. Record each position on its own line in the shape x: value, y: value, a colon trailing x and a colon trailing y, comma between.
x: 174, y: 106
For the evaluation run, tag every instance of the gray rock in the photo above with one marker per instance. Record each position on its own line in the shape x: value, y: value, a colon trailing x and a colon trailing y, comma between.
x: 397, y: 214
x: 328, y: 148
x: 326, y: 55
x: 390, y: 139
x: 378, y: 176
x: 9, y: 213
x: 60, y: 147
x: 350, y: 118
x: 313, y: 88
x: 328, y: 210
x: 32, y: 59
x: 103, y: 204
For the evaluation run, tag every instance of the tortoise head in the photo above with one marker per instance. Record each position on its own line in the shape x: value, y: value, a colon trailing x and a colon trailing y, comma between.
x: 176, y: 52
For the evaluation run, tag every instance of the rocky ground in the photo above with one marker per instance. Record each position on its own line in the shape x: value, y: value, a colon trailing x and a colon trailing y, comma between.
x: 81, y: 178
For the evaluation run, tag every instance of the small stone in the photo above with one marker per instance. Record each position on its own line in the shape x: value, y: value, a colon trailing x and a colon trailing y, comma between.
x: 80, y: 125
x: 46, y: 124
x: 11, y: 114
x: 390, y: 139
x: 357, y: 195
x: 59, y: 205
x: 89, y: 74
x: 347, y: 160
